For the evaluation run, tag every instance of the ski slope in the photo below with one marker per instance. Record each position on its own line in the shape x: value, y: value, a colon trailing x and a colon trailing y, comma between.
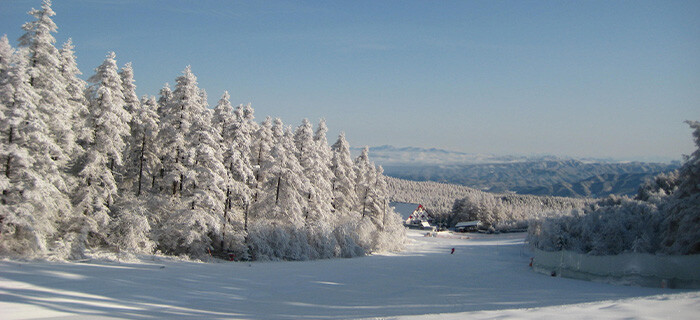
x: 487, y: 277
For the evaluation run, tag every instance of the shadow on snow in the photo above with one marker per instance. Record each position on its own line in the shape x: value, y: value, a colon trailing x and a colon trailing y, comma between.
x: 484, y: 273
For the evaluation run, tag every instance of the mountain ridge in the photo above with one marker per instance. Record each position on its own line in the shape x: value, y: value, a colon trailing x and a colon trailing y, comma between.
x: 536, y: 175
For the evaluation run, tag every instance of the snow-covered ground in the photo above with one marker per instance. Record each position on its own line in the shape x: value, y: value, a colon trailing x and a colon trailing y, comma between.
x: 487, y: 277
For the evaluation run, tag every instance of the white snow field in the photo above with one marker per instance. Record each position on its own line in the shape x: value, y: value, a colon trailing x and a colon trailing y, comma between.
x: 487, y: 277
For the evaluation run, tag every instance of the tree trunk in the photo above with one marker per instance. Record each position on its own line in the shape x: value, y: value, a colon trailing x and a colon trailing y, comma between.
x: 143, y: 146
x: 333, y: 195
x: 384, y: 214
x: 9, y: 157
x: 226, y: 207
x: 364, y: 202
x: 308, y: 206
x: 245, y: 220
x: 7, y: 166
x: 277, y: 197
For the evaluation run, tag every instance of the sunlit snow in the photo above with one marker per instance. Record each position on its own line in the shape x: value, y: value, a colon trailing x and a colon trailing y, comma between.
x: 487, y: 277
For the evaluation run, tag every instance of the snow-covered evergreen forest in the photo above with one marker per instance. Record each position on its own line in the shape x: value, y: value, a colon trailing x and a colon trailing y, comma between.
x: 664, y: 217
x: 90, y: 166
x: 436, y: 197
x: 451, y: 203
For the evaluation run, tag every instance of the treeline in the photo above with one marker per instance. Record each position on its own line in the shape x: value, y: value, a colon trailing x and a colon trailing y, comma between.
x: 436, y: 197
x: 450, y: 204
x: 91, y: 166
x: 664, y: 217
x: 504, y: 212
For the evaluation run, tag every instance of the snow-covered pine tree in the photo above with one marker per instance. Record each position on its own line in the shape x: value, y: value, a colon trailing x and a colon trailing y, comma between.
x: 141, y: 154
x: 314, y: 156
x: 131, y: 105
x: 277, y: 226
x: 75, y: 87
x: 364, y: 179
x: 205, y: 192
x: 133, y: 212
x: 109, y: 122
x: 324, y: 199
x: 193, y: 166
x: 377, y: 200
x: 6, y: 56
x: 131, y: 100
x: 241, y: 177
x: 345, y: 200
x: 303, y: 137
x: 285, y: 185
x: 690, y: 171
x: 380, y: 228
x: 54, y: 105
x: 263, y: 141
x: 223, y: 119
x: 31, y: 204
x: 241, y: 153
x: 305, y: 152
x: 164, y: 96
x: 278, y: 131
x: 680, y: 232
x: 391, y: 234
x: 344, y: 196
x: 324, y: 156
x: 45, y: 77
x: 6, y: 52
x: 175, y: 126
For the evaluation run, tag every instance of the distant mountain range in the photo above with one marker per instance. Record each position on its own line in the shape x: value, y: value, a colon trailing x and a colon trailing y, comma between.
x: 538, y: 175
x: 390, y: 155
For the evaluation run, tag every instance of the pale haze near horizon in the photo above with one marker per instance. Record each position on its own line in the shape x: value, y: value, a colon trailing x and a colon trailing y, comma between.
x: 606, y: 79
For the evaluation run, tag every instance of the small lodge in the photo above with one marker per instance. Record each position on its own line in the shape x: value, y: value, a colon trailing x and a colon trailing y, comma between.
x: 467, y: 226
x: 419, y: 219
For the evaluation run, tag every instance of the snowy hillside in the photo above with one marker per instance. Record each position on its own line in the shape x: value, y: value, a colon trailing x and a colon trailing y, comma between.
x: 487, y: 277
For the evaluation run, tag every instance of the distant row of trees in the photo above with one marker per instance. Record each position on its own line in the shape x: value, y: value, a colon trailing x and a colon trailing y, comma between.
x: 664, y: 217
x: 505, y: 212
x: 436, y: 197
x: 450, y: 204
x: 89, y: 166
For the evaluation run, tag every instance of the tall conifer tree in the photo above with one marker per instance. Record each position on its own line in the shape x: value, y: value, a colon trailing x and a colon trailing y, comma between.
x: 176, y: 124
x: 75, y: 87
x: 141, y: 156
x: 108, y: 121
x: 31, y: 204
x: 44, y: 69
x: 344, y: 191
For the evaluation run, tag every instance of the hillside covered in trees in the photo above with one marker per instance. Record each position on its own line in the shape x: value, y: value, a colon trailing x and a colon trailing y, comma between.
x: 91, y: 166
x: 664, y: 217
x: 450, y: 204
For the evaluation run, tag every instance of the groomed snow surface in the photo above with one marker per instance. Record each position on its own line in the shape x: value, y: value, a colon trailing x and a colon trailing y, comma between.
x: 487, y: 277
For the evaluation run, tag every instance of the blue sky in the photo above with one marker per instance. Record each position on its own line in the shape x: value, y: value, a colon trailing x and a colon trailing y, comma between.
x: 573, y: 78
